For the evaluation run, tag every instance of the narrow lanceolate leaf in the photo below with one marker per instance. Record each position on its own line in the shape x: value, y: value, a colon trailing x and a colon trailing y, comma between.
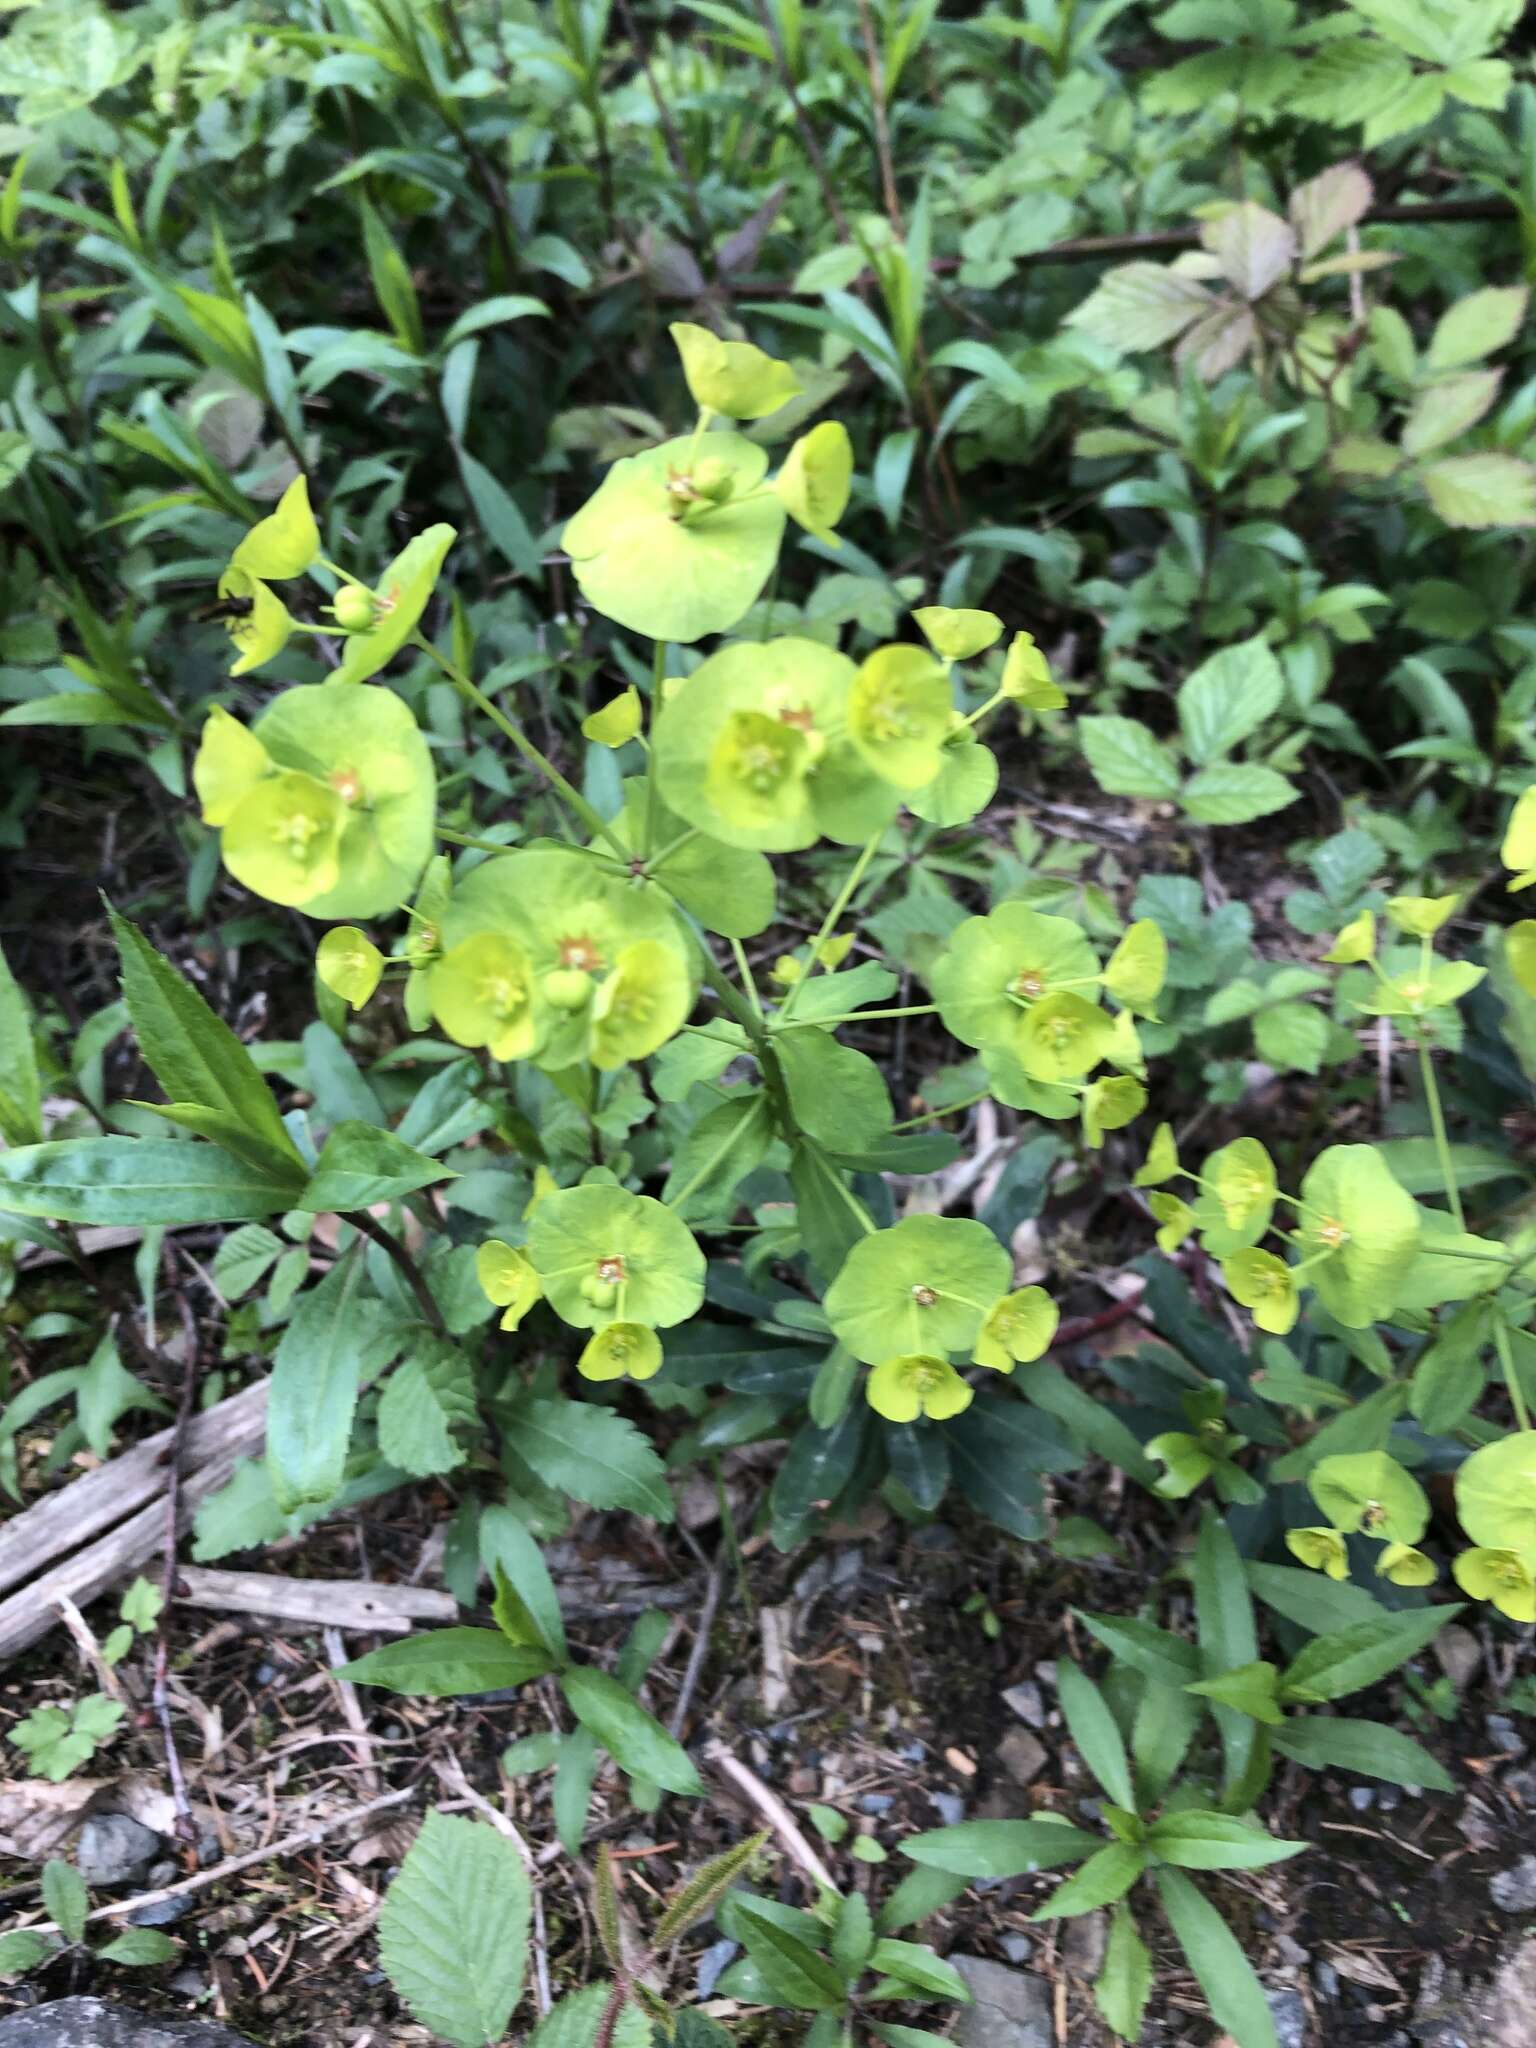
x: 1000, y: 1848
x: 21, y: 1095
x: 636, y: 1742
x: 453, y: 1932
x: 1368, y: 1747
x: 337, y: 1334
x: 139, y: 1181
x: 1092, y: 1727
x: 1332, y: 1666
x: 361, y: 1166
x: 196, y: 1057
x: 1216, y: 1841
x: 448, y: 1663
x: 594, y: 1454
x: 1152, y: 1651
x: 1125, y: 1982
x: 699, y: 1896
x: 1105, y: 1877
x: 511, y: 1554
x: 1224, y: 1973
x: 605, y: 1907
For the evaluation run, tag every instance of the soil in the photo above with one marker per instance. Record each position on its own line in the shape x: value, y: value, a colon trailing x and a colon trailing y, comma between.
x: 889, y: 1706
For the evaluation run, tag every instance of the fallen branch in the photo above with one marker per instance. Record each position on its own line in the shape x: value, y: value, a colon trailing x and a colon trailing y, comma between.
x: 772, y: 1809
x: 200, y: 1880
x: 364, y: 1606
x: 121, y: 1505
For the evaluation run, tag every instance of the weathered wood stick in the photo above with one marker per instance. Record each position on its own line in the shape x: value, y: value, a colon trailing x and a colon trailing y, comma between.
x: 365, y: 1605
x: 55, y: 1527
x: 61, y: 1521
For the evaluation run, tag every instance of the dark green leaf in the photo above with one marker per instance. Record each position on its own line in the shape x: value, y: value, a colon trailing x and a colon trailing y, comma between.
x: 445, y: 1663
x: 637, y: 1743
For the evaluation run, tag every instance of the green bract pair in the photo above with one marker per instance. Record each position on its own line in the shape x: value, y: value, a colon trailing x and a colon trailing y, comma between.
x: 327, y: 803
x: 618, y: 1264
x: 930, y: 1286
x: 1023, y: 988
x: 1368, y: 1494
x: 678, y: 542
x: 777, y: 745
x: 545, y: 956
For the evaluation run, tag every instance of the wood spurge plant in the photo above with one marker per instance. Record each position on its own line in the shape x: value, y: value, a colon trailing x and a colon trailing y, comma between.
x: 803, y: 740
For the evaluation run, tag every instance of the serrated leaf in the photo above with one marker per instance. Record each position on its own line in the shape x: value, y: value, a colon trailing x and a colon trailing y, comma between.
x: 65, y: 1898
x: 197, y: 1058
x: 1125, y: 1982
x: 593, y: 1454
x: 1332, y: 1666
x: 1235, y: 793
x: 573, y: 2022
x: 1444, y: 410
x: 1224, y: 1973
x: 1369, y: 1748
x: 633, y: 1738
x: 1228, y: 697
x: 336, y: 1335
x: 1482, y: 490
x: 139, y: 1948
x: 243, y: 1258
x: 1477, y: 325
x: 1126, y: 759
x: 427, y: 1397
x: 448, y: 1663
x: 453, y: 1931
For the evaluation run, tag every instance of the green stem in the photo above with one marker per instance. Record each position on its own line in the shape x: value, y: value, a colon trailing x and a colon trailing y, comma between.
x: 652, y: 795
x: 840, y: 903
x: 656, y: 861
x: 859, y: 1016
x: 1442, y: 1141
x: 596, y: 825
x: 1511, y: 1377
x: 697, y: 1180
x: 954, y: 1108
x: 744, y: 969
x: 468, y: 839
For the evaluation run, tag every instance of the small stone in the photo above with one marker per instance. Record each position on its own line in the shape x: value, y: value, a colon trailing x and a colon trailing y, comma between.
x: 114, y: 1849
x: 815, y: 1579
x: 949, y: 1806
x: 848, y: 1566
x: 96, y: 2023
x: 1458, y: 1653
x: 1083, y: 1941
x: 1288, y: 2010
x: 265, y: 1673
x: 1362, y: 1798
x: 1326, y: 1978
x: 713, y: 1964
x: 1022, y: 1755
x: 163, y: 1913
x: 876, y: 1802
x: 1018, y: 1948
x: 1026, y: 1702
x: 1011, y: 2009
x: 913, y: 1752
x: 1503, y: 1733
x: 1046, y: 1673
x: 1514, y: 1890
x: 1520, y: 1786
